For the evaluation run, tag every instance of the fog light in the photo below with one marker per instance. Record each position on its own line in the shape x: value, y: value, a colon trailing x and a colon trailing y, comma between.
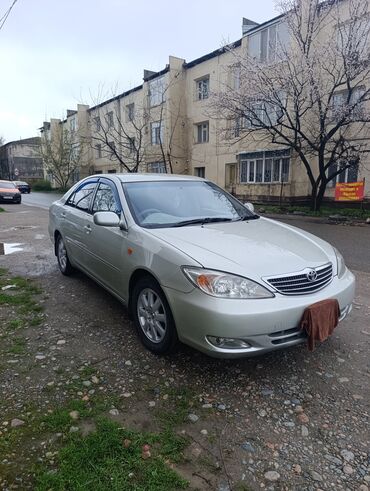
x: 228, y: 343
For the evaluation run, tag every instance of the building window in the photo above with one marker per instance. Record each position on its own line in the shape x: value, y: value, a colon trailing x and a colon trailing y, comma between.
x: 112, y: 171
x: 112, y: 148
x: 265, y: 167
x: 200, y: 172
x: 110, y: 121
x: 97, y: 123
x: 156, y: 91
x: 131, y: 146
x: 202, y: 88
x: 130, y: 112
x: 268, y: 43
x: 75, y: 152
x: 348, y: 175
x: 156, y: 130
x: 73, y: 124
x: 98, y: 151
x: 342, y: 103
x: 157, y: 167
x: 202, y: 135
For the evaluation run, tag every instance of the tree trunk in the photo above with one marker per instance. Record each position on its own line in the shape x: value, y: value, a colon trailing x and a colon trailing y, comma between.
x: 317, y: 195
x: 313, y: 203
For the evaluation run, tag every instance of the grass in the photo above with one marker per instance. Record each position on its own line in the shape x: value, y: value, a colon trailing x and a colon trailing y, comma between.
x: 18, y: 347
x: 100, y: 460
x: 323, y: 212
x: 181, y: 404
x: 1, y: 210
x: 21, y: 297
x: 111, y: 459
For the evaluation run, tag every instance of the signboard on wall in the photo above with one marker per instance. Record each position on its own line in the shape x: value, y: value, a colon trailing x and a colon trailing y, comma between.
x: 350, y: 191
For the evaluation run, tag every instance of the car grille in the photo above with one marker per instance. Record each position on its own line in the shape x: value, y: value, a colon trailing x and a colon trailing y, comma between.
x: 307, y: 281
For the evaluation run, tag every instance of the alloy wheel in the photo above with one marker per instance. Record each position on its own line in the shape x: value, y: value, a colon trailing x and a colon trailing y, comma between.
x: 151, y: 315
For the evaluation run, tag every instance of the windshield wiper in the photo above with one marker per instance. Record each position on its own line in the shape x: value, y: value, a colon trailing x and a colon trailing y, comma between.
x: 201, y: 221
x: 248, y: 217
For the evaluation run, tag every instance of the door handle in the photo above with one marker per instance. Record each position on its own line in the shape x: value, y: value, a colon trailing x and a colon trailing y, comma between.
x: 87, y: 229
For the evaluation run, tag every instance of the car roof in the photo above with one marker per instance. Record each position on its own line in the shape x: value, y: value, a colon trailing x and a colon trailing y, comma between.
x: 134, y: 177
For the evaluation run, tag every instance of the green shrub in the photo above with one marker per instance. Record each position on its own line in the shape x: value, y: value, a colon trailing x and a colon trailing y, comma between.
x: 41, y: 185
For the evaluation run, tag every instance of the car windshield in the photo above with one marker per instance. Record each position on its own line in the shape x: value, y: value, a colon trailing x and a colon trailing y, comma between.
x: 7, y: 185
x: 160, y: 204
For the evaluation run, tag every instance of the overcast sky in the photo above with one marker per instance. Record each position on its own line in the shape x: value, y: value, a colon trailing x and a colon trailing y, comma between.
x: 57, y: 53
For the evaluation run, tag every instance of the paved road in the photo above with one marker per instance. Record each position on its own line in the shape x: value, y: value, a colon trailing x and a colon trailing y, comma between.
x: 352, y: 241
x: 41, y: 200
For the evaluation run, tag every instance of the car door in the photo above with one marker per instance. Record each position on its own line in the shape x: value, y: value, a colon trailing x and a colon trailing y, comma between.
x: 76, y: 218
x: 106, y: 245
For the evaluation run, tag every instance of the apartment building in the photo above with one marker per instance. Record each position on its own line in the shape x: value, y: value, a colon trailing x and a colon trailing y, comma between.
x: 167, y: 125
x: 19, y: 160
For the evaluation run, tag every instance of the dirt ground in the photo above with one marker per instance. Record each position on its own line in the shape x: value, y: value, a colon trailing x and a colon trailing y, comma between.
x: 290, y: 420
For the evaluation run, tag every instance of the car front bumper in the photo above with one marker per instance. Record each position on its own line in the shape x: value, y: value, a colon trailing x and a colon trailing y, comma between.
x: 264, y: 324
x: 16, y: 198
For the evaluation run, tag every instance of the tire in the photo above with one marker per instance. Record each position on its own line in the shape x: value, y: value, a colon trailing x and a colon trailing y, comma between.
x: 156, y: 326
x: 65, y: 266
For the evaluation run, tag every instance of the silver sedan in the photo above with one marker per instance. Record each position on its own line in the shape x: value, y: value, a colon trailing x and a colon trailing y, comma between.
x: 193, y: 264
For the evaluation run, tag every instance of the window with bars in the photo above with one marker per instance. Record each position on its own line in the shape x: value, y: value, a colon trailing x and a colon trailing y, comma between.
x: 265, y: 167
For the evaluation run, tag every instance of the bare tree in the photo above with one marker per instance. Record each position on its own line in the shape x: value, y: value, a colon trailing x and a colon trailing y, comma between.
x: 119, y: 134
x: 310, y: 91
x: 131, y: 134
x: 62, y: 153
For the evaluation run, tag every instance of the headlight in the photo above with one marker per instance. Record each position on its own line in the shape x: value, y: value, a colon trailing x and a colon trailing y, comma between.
x: 225, y: 285
x: 341, y: 267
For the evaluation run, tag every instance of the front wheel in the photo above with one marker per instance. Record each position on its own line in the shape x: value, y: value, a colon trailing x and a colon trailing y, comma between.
x: 153, y: 317
x: 62, y: 256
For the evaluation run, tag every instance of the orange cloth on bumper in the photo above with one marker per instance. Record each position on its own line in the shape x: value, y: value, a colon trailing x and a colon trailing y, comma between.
x: 319, y: 321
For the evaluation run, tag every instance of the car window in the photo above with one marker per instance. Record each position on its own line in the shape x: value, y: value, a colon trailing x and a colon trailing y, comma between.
x: 160, y: 203
x: 105, y: 199
x: 82, y: 197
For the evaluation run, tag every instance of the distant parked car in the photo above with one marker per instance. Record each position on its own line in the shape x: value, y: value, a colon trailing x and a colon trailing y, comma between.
x: 23, y: 187
x: 194, y: 264
x: 9, y: 193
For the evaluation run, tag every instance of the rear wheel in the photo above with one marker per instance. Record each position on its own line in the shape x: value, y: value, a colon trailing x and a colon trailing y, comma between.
x: 153, y: 317
x: 63, y: 262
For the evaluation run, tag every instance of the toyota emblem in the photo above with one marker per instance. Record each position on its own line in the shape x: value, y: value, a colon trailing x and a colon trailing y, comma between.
x: 311, y: 275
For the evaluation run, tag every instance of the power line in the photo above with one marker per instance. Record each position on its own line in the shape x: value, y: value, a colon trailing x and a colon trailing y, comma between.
x: 6, y: 15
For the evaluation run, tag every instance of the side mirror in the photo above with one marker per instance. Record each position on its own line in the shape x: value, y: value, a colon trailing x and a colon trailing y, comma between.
x: 249, y: 206
x: 107, y: 219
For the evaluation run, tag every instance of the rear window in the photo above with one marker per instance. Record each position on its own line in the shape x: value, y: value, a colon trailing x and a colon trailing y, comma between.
x: 7, y: 185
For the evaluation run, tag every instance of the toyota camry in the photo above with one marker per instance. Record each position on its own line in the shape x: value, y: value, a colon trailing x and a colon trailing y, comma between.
x: 194, y: 264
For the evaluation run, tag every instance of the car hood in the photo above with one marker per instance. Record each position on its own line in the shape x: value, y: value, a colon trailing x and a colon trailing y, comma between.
x: 253, y: 248
x: 10, y: 190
